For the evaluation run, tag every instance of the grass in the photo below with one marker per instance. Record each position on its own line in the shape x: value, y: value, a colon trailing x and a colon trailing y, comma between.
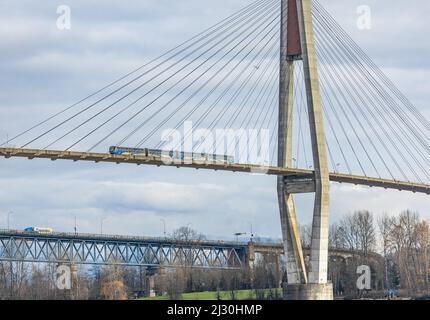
x: 213, y: 295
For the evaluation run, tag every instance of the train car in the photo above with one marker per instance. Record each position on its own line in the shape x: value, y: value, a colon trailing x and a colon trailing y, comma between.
x: 173, y: 155
x: 39, y: 230
x: 128, y: 151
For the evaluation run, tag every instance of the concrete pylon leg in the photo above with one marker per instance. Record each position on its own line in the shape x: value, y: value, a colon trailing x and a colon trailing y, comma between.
x: 296, y: 270
x: 320, y: 225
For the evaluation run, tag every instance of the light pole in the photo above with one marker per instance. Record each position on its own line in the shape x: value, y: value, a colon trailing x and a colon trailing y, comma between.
x: 164, y: 228
x: 252, y: 234
x: 75, y: 227
x: 8, y: 219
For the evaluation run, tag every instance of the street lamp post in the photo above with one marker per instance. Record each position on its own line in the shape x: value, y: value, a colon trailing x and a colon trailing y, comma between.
x: 164, y: 228
x: 75, y: 228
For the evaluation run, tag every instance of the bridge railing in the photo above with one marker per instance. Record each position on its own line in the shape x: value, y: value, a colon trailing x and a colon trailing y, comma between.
x: 122, y: 238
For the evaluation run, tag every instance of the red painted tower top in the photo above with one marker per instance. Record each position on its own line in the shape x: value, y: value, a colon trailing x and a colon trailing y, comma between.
x: 294, y: 48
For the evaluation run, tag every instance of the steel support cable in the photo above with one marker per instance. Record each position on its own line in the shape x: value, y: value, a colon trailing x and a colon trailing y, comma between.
x: 339, y: 78
x: 401, y: 127
x: 258, y: 97
x: 331, y: 104
x: 300, y: 137
x: 273, y: 137
x: 164, y: 121
x: 326, y: 113
x: 263, y: 90
x: 266, y: 93
x: 325, y: 78
x: 303, y: 110
x: 392, y: 104
x: 273, y: 95
x: 352, y: 76
x: 418, y: 136
x: 201, y: 118
x: 251, y: 148
x: 222, y: 22
x: 392, y: 157
x: 371, y: 125
x: 333, y: 162
x: 144, y: 95
x: 178, y: 108
x: 134, y: 80
x: 377, y: 71
x: 406, y: 135
x: 336, y: 82
x: 297, y: 107
x: 358, y: 52
x: 272, y: 115
x: 227, y: 106
x: 265, y: 104
x: 248, y: 99
x: 208, y: 81
x: 232, y: 98
x: 275, y: 145
x: 328, y: 117
x: 242, y: 104
x: 376, y: 134
x: 194, y: 81
x: 331, y: 157
x: 299, y: 113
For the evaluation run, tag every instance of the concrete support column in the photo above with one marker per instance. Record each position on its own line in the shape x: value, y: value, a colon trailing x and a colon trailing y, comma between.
x: 150, y: 274
x: 320, y: 225
x: 296, y: 272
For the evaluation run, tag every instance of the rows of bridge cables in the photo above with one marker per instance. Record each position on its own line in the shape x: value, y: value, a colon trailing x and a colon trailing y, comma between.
x: 226, y: 77
x: 372, y: 128
x: 226, y: 80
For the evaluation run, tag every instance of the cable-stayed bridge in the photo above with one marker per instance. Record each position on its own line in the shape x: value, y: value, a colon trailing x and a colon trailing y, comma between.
x: 278, y: 88
x: 205, y: 165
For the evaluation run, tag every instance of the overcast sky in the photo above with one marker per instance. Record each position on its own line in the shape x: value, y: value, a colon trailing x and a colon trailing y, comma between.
x: 43, y: 69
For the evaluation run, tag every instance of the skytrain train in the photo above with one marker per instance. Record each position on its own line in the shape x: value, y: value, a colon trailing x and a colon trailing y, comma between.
x: 174, y: 155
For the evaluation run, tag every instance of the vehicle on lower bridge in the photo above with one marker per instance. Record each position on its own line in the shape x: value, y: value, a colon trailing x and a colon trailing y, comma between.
x: 173, y: 155
x: 39, y: 230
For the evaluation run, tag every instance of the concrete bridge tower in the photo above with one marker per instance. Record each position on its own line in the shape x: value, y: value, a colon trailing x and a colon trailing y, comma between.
x: 297, y: 43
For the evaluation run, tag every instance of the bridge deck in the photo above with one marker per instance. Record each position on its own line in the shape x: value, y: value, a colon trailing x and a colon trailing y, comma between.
x: 246, y: 168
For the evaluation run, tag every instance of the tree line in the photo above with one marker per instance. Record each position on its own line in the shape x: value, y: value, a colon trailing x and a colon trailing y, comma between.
x: 395, y: 247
